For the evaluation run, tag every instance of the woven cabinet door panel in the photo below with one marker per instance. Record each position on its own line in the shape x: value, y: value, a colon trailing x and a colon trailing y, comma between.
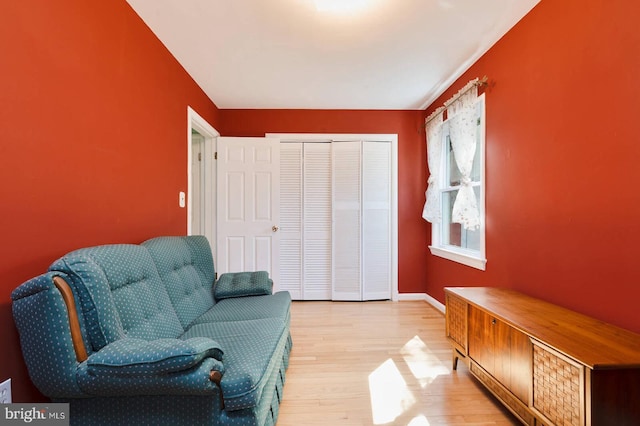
x: 558, y: 387
x: 456, y: 315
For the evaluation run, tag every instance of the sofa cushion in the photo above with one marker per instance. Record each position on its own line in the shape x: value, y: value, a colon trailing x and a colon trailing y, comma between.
x: 249, y: 308
x: 136, y: 357
x: 185, y: 265
x: 236, y: 284
x: 252, y: 350
x: 120, y: 294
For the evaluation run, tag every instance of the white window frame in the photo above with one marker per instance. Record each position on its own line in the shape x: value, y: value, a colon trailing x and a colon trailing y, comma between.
x: 473, y: 258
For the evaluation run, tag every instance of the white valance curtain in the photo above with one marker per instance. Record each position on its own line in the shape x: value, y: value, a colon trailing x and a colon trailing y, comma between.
x: 432, y: 211
x: 461, y: 114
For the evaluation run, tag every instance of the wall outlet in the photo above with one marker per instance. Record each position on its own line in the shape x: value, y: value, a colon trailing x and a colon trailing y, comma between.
x: 5, y: 392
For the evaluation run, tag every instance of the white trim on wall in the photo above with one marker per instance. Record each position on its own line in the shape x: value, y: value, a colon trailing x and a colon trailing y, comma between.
x: 433, y: 302
x: 406, y: 297
x: 411, y: 297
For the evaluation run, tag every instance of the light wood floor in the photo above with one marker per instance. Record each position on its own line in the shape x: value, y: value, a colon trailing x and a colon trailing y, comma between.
x: 377, y: 363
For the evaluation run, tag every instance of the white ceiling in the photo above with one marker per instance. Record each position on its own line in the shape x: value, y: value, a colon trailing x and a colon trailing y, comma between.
x: 392, y: 54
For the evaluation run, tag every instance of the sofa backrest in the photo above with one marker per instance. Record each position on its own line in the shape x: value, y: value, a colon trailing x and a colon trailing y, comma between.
x: 120, y: 292
x: 186, y: 266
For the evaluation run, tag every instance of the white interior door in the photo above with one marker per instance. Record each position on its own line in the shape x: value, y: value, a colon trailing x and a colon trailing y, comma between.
x: 347, y: 225
x: 374, y: 164
x: 317, y: 221
x: 305, y: 217
x: 361, y: 220
x: 248, y: 205
x: 291, y: 193
x: 376, y: 220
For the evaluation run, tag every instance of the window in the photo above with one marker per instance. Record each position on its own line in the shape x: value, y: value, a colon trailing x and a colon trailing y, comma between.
x: 450, y: 239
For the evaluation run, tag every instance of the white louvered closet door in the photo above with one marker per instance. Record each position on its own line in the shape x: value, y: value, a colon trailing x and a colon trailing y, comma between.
x: 317, y: 221
x: 335, y: 215
x: 305, y: 217
x: 346, y: 204
x: 376, y: 220
x: 291, y: 194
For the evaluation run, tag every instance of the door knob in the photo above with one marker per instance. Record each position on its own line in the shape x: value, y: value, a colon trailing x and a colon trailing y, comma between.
x: 274, y: 228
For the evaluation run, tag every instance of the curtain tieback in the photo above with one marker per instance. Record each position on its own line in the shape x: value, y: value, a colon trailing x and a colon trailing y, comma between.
x: 465, y: 181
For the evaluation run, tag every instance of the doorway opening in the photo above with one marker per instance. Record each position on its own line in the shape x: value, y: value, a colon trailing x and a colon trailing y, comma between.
x: 201, y: 175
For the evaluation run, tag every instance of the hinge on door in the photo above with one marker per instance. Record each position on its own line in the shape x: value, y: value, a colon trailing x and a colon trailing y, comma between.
x: 199, y: 156
x: 215, y: 155
x: 215, y: 278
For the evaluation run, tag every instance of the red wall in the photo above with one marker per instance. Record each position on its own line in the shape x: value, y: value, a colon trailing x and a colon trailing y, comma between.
x: 86, y: 85
x: 93, y: 136
x: 563, y: 153
x: 413, y: 231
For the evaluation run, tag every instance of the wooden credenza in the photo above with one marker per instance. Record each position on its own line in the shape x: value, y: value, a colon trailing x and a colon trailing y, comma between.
x: 548, y: 365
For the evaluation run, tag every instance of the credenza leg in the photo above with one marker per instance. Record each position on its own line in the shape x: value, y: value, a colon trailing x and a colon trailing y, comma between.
x: 455, y: 359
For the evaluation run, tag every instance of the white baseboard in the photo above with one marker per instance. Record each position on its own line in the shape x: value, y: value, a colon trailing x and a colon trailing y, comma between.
x: 433, y: 302
x: 421, y: 296
x: 402, y: 297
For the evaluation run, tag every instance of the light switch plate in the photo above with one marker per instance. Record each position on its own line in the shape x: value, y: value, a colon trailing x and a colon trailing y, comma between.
x: 5, y: 392
x: 182, y: 199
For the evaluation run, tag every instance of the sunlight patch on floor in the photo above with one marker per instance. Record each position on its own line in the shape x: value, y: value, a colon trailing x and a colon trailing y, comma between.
x: 390, y: 396
x: 424, y: 364
x: 419, y: 421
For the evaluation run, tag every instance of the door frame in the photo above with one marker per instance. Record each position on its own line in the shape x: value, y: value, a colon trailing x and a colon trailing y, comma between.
x: 343, y: 137
x: 210, y: 134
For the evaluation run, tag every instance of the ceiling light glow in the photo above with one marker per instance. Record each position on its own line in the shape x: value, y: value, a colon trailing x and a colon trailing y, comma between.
x: 341, y: 6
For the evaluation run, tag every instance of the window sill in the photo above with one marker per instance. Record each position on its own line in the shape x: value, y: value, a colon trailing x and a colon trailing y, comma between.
x: 459, y: 257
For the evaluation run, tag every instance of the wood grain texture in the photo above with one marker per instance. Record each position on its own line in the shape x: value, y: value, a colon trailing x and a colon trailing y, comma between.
x: 501, y: 350
x: 615, y: 396
x: 596, y: 344
x: 371, y: 363
x: 565, y: 368
x: 74, y: 324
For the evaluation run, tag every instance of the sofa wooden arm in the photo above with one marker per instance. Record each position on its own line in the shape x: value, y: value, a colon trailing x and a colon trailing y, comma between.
x: 74, y: 323
x: 216, y: 377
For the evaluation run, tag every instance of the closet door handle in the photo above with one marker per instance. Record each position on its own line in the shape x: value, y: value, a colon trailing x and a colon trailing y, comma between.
x: 275, y: 228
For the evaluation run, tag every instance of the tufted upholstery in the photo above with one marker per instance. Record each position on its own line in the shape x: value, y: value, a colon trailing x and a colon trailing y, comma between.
x: 186, y: 266
x: 154, y: 333
x: 242, y: 284
x: 121, y: 293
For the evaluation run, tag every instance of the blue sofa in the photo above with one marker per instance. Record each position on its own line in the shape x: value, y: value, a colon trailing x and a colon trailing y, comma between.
x: 145, y: 335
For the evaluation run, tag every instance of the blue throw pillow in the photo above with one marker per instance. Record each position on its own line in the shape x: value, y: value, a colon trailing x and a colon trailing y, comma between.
x: 137, y: 357
x: 237, y: 284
